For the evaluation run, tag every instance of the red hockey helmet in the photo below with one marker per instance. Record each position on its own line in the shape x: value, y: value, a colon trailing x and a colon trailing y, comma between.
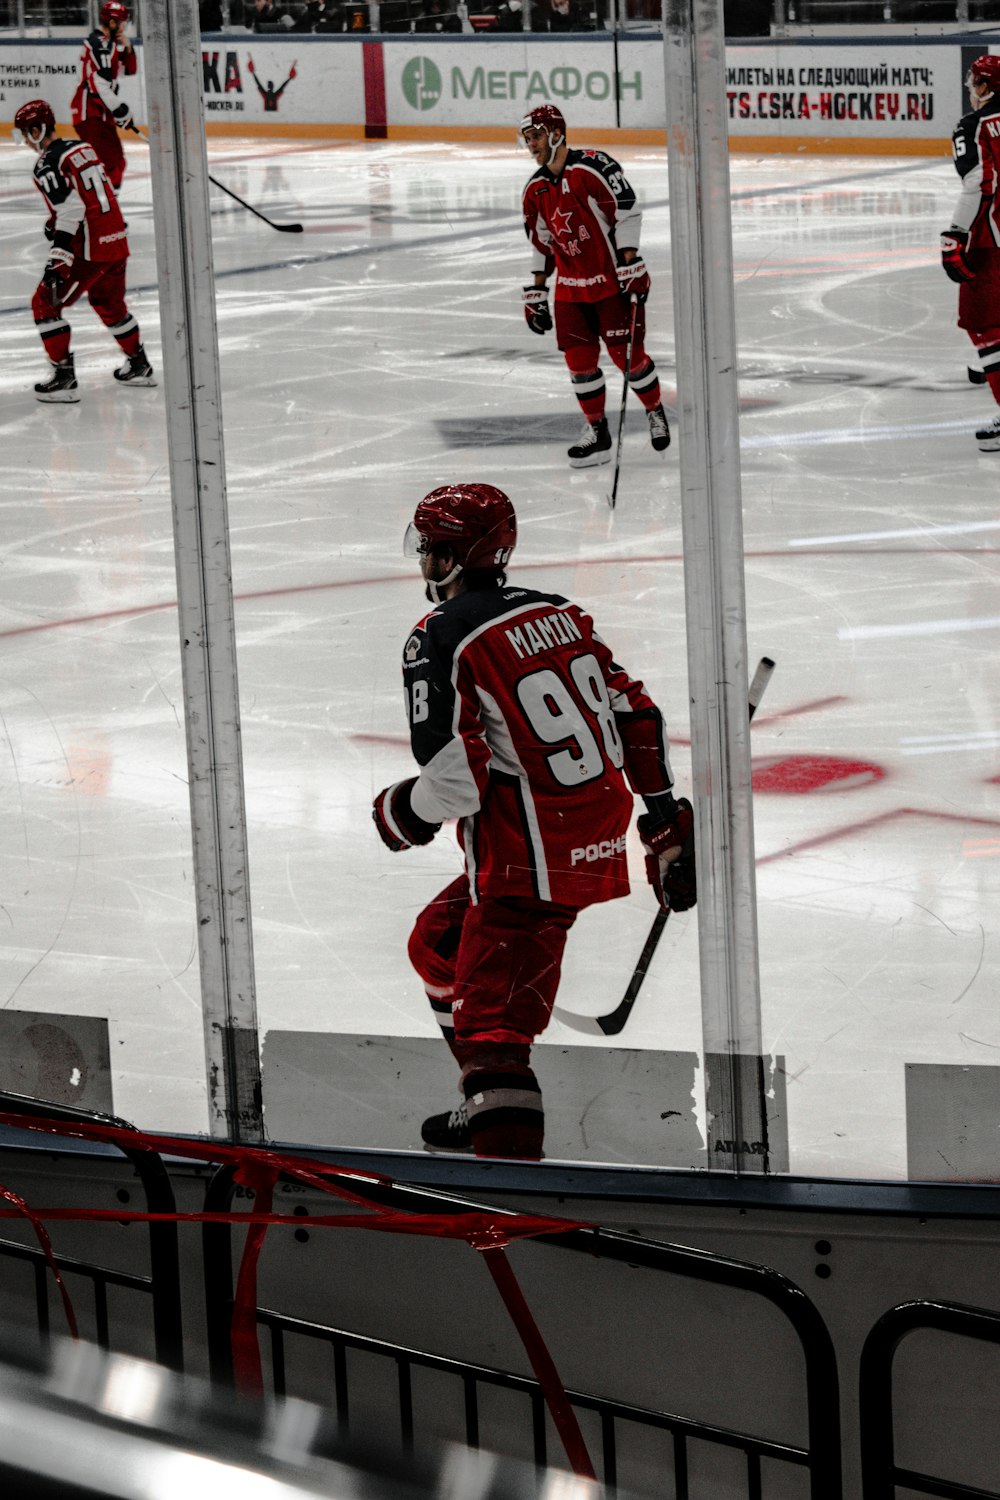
x: 985, y: 69
x: 114, y: 10
x: 34, y: 120
x: 476, y: 521
x: 545, y: 117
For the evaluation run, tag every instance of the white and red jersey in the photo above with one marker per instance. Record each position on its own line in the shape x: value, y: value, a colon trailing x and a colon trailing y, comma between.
x: 83, y: 209
x: 525, y: 729
x: 975, y: 145
x: 102, y: 60
x: 577, y: 222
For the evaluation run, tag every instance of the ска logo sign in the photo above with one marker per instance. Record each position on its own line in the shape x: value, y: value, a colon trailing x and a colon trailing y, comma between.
x: 421, y: 83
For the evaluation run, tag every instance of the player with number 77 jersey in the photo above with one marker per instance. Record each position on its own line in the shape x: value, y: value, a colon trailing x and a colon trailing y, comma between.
x: 529, y: 733
x: 88, y: 254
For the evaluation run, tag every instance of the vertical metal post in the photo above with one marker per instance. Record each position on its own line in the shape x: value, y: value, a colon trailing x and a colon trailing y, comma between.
x: 172, y: 57
x: 711, y: 509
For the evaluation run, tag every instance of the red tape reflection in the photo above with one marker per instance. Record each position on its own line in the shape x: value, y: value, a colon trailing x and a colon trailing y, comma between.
x: 487, y: 1232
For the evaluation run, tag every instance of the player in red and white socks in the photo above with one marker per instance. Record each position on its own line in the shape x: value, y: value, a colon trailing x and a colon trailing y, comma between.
x: 581, y: 217
x: 970, y: 247
x: 529, y: 733
x: 98, y: 111
x: 89, y: 253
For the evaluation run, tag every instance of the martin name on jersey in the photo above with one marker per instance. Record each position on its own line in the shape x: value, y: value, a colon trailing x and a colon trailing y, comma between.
x: 578, y: 221
x: 525, y: 729
x: 81, y: 203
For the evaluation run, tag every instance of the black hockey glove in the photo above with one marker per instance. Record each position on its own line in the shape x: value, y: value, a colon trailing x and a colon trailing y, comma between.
x: 123, y: 116
x: 954, y: 249
x: 633, y: 279
x: 399, y: 827
x: 57, y: 273
x: 668, y: 838
x: 536, y: 309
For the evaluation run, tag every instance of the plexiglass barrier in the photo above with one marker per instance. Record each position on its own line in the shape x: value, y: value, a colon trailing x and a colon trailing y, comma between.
x: 383, y: 352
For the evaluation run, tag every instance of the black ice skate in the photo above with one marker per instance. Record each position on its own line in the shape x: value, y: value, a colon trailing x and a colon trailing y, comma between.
x: 659, y: 428
x: 976, y: 375
x: 988, y: 438
x: 61, y: 384
x: 448, y: 1131
x: 136, y: 370
x: 594, y: 446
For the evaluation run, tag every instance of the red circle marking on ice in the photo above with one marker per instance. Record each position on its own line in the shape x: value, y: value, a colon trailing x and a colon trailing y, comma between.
x: 794, y: 775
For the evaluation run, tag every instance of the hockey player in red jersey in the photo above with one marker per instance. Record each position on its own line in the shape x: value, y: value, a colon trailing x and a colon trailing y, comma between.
x: 970, y: 247
x: 528, y: 732
x: 89, y: 252
x: 581, y: 217
x: 98, y: 112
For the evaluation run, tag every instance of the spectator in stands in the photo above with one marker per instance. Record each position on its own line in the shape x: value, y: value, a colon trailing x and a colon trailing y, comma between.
x: 320, y: 17
x: 269, y: 15
x: 210, y: 15
x: 562, y: 15
x: 510, y: 16
x: 437, y: 18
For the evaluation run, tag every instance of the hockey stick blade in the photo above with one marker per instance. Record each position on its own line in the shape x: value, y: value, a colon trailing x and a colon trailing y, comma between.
x: 281, y: 228
x: 612, y: 1024
x: 614, y: 1021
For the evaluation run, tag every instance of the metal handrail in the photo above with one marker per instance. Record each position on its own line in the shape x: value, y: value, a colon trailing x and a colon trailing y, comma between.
x: 342, y: 1338
x: 822, y: 1456
x: 164, y: 1257
x: 100, y: 1276
x: 880, y: 1474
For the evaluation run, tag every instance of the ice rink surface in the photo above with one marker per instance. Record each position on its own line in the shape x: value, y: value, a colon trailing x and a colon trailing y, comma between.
x: 379, y: 354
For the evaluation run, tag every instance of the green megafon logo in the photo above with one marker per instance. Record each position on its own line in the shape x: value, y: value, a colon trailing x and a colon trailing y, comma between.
x: 422, y: 83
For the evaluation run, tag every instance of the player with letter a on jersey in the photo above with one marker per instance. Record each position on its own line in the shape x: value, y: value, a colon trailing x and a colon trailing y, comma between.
x: 970, y: 247
x: 97, y: 110
x: 581, y: 218
x: 89, y: 253
x: 529, y: 733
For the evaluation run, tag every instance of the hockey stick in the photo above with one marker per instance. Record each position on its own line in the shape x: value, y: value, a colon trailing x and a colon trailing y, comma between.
x: 614, y: 1021
x: 613, y: 492
x: 281, y: 228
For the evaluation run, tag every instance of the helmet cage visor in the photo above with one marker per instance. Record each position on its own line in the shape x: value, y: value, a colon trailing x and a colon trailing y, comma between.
x: 415, y: 543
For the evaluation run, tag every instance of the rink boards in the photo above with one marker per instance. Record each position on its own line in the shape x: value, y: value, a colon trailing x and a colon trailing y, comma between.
x: 861, y: 94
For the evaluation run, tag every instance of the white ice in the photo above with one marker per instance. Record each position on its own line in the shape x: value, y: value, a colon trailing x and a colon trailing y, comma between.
x: 384, y: 352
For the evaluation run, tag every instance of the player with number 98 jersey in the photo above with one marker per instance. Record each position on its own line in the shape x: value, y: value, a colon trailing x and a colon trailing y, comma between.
x: 525, y: 729
x: 530, y: 735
